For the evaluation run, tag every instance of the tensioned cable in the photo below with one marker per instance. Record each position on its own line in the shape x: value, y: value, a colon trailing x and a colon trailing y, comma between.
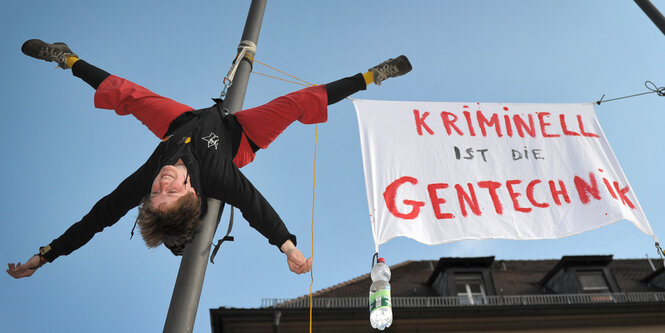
x: 660, y: 91
x: 279, y: 78
x: 302, y: 83
x: 650, y: 85
x: 285, y: 73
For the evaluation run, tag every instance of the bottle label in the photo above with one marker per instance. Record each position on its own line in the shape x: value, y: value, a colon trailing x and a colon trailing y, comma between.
x: 379, y: 299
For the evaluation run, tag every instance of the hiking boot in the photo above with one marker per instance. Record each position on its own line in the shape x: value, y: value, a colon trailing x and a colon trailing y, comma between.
x: 392, y: 67
x: 56, y: 52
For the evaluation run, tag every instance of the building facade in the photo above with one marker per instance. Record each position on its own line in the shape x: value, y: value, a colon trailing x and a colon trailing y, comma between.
x: 580, y: 293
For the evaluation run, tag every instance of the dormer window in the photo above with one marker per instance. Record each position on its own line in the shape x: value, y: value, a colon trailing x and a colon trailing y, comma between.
x: 469, y: 279
x: 581, y: 274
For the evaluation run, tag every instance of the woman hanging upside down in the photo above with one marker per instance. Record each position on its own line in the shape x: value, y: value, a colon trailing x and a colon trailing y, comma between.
x: 199, y: 157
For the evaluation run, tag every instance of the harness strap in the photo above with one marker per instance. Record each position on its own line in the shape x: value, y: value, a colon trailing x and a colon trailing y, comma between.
x: 225, y: 238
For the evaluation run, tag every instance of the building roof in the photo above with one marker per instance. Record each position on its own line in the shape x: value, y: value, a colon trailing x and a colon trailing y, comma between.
x: 518, y: 297
x: 511, y: 277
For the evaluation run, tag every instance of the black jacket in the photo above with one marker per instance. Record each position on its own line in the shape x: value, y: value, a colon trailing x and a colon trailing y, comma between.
x: 206, y: 141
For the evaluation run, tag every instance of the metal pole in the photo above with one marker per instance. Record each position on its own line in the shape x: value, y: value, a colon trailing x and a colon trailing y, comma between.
x: 652, y: 12
x: 236, y: 94
x: 188, y: 285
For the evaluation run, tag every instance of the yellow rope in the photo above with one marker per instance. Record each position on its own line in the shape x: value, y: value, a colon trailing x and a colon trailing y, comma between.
x: 279, y: 78
x: 285, y: 73
x: 316, y: 136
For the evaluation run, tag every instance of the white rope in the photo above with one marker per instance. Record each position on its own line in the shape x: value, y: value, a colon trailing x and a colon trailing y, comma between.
x: 247, y: 50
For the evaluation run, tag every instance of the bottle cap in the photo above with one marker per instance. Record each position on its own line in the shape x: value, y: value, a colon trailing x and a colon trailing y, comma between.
x: 381, y: 260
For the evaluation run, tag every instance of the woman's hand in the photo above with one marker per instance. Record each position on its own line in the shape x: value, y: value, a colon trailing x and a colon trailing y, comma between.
x: 20, y: 271
x: 296, y: 260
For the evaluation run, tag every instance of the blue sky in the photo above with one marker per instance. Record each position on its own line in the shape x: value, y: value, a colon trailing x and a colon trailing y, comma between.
x: 60, y: 154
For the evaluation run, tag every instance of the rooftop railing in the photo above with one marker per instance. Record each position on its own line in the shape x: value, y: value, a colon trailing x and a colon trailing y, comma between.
x: 462, y: 301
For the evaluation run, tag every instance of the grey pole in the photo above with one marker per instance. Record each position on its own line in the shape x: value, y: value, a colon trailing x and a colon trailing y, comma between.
x: 236, y: 94
x: 188, y: 285
x: 653, y: 13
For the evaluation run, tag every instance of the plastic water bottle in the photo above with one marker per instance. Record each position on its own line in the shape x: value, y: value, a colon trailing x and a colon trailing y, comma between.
x: 380, y: 307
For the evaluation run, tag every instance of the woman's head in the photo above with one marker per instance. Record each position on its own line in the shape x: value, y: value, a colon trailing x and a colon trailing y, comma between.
x: 169, y: 185
x: 171, y: 212
x: 178, y: 221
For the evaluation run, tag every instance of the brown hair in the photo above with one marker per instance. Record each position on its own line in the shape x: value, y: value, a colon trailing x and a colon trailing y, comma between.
x: 179, y: 222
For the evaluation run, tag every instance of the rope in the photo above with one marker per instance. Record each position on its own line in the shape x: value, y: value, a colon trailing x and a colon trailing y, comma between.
x: 285, y: 73
x: 302, y: 83
x: 279, y: 78
x: 247, y: 50
x: 650, y: 85
x: 660, y: 252
x: 316, y: 136
x: 311, y: 272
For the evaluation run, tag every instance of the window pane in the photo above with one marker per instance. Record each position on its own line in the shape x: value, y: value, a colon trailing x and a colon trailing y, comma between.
x: 469, y: 285
x: 460, y: 288
x: 475, y: 287
x: 593, y: 281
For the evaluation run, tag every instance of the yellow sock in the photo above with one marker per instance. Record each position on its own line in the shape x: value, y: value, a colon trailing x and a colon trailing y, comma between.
x: 71, y: 60
x: 369, y: 77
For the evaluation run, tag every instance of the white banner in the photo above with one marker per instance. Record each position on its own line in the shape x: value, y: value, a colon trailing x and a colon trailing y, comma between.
x: 443, y: 172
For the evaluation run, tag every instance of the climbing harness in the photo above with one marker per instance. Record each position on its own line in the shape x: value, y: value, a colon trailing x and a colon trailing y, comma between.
x: 246, y: 50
